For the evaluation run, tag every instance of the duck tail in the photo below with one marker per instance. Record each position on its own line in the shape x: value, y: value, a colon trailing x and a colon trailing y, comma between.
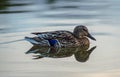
x: 31, y: 40
x: 36, y: 33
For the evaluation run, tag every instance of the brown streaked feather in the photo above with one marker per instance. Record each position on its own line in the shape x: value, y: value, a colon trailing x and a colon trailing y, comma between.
x: 54, y: 34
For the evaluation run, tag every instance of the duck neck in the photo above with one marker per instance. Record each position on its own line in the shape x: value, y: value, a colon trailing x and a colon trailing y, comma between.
x: 84, y: 42
x: 76, y: 35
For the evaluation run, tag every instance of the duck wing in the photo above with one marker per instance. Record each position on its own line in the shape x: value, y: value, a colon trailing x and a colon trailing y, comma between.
x: 55, y: 35
x: 37, y: 41
x: 54, y: 38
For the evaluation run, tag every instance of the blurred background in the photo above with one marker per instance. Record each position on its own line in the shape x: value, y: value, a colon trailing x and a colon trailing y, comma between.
x: 18, y: 18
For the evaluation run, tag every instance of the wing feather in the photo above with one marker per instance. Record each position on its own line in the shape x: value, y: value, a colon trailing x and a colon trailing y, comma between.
x: 54, y: 34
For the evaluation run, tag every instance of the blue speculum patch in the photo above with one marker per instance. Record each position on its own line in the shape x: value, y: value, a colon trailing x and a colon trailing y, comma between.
x: 52, y: 42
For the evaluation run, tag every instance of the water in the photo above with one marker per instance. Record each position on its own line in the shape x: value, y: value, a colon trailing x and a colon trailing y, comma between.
x: 21, y: 17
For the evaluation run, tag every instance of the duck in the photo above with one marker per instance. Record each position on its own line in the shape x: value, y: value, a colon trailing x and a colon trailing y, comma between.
x: 62, y: 38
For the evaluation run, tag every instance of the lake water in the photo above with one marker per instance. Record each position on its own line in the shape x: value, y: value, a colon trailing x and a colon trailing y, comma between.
x: 18, y: 18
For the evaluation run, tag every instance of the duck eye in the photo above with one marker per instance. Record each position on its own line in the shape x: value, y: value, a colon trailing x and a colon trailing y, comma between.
x: 84, y: 29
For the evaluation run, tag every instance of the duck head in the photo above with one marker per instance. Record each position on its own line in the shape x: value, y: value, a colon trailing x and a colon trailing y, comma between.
x: 82, y: 31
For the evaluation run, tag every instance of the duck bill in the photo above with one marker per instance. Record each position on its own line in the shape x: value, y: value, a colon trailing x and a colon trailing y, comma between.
x: 91, y: 37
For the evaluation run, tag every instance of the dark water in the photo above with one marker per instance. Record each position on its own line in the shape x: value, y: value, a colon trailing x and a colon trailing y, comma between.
x: 18, y: 18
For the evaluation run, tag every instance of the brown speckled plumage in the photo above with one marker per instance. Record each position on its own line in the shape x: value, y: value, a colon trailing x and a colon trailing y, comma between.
x: 62, y: 38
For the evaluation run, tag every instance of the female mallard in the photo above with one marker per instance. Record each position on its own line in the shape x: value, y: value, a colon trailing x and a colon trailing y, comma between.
x: 62, y: 38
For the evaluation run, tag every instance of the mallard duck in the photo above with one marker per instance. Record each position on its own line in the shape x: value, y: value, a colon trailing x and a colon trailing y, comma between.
x: 62, y: 38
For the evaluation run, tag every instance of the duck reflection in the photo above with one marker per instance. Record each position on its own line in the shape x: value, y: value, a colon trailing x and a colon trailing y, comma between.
x: 80, y: 54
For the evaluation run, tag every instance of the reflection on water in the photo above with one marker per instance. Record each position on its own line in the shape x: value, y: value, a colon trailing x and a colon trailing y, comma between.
x: 80, y: 54
x: 6, y: 4
x: 50, y: 1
